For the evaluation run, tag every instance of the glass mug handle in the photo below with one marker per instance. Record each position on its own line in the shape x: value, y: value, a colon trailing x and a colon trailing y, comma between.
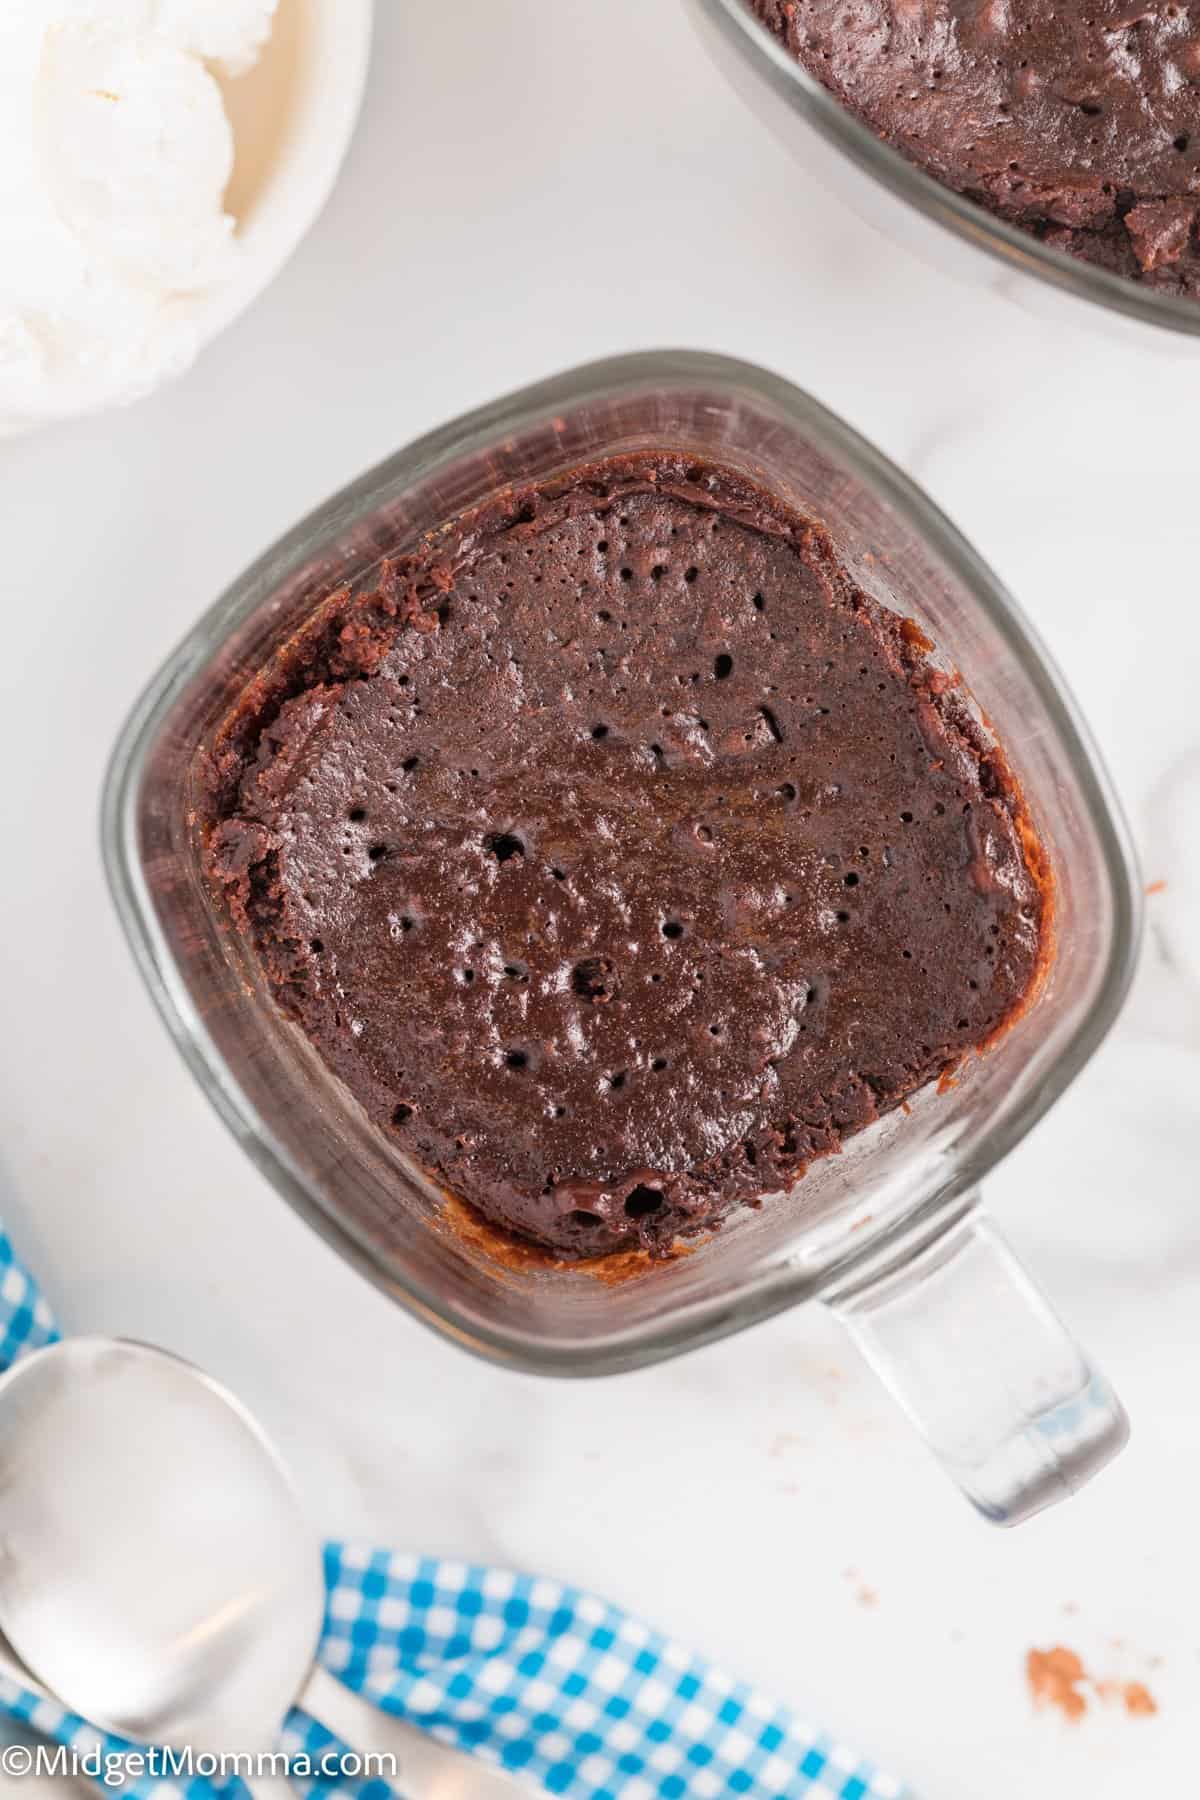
x: 982, y: 1365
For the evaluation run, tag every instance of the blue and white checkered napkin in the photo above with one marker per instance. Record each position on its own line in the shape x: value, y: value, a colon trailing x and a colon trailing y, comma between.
x: 583, y: 1700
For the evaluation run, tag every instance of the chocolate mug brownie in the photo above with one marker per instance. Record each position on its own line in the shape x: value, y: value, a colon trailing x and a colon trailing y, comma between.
x: 621, y: 855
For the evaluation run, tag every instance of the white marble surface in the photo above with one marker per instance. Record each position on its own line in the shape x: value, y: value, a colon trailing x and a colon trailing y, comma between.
x: 533, y: 185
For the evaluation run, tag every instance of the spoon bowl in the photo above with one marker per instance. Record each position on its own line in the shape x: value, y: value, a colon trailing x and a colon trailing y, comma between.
x: 158, y: 1574
x: 143, y: 1511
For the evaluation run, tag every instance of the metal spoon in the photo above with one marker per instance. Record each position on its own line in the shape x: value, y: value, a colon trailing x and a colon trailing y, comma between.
x: 157, y: 1572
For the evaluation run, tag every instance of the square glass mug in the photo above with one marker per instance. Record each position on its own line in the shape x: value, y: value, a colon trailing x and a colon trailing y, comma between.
x: 887, y: 1232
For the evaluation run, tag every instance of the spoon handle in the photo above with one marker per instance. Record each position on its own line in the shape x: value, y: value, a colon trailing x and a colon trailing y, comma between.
x: 425, y: 1769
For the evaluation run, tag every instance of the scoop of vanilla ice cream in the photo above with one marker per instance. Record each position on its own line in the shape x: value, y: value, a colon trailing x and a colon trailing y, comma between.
x: 230, y: 33
x: 115, y: 151
x: 135, y: 151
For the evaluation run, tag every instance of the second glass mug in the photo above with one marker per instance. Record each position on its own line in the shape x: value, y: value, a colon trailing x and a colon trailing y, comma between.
x: 888, y: 1233
x: 910, y: 207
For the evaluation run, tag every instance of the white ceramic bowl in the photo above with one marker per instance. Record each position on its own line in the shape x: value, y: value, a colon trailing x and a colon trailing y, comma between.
x: 293, y: 115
